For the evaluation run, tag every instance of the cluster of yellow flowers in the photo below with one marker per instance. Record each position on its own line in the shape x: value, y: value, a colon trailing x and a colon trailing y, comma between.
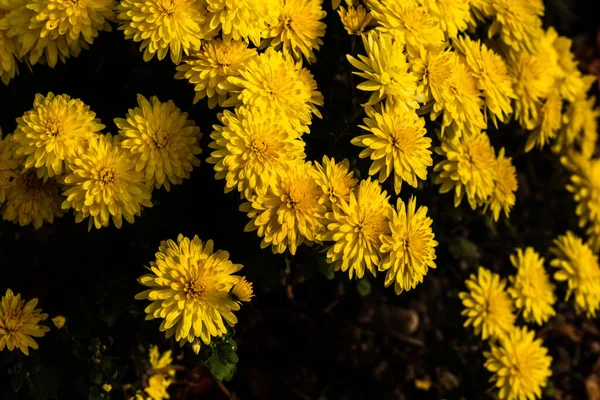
x: 159, y: 377
x: 57, y: 159
x: 520, y: 364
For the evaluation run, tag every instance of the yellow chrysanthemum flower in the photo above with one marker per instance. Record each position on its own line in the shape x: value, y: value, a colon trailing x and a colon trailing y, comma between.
x: 551, y: 121
x: 252, y: 148
x: 274, y: 82
x: 396, y: 143
x: 160, y: 362
x: 585, y: 186
x: 161, y: 141
x: 356, y: 227
x: 409, y: 22
x: 488, y: 306
x: 386, y: 70
x: 241, y: 19
x: 530, y: 287
x: 32, y: 201
x: 580, y: 127
x: 20, y: 323
x: 458, y: 100
x: 163, y: 26
x: 492, y: 77
x: 505, y: 185
x: 9, y: 165
x: 189, y: 288
x: 298, y: 30
x: 520, y: 364
x: 434, y: 68
x: 210, y: 67
x: 104, y: 185
x: 289, y: 213
x: 578, y: 266
x: 161, y: 376
x: 518, y: 23
x: 469, y: 168
x: 8, y: 62
x: 355, y: 20
x: 48, y: 30
x: 572, y: 84
x: 453, y: 16
x: 335, y: 180
x: 51, y: 134
x: 242, y: 291
x: 410, y: 246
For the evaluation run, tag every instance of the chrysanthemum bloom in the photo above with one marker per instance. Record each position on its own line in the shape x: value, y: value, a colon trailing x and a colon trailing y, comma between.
x: 409, y: 22
x: 20, y: 323
x: 9, y: 164
x: 252, y: 148
x: 578, y: 266
x: 242, y: 291
x: 410, y: 246
x: 189, y: 288
x: 580, y: 127
x: 585, y: 186
x: 518, y: 23
x: 161, y: 141
x: 453, y: 16
x: 50, y: 135
x: 8, y: 62
x: 104, y: 184
x: 520, y: 364
x: 161, y: 376
x: 355, y: 20
x: 386, y: 70
x: 434, y: 68
x: 289, y: 213
x: 571, y: 83
x: 469, y: 168
x: 32, y: 201
x: 396, y: 143
x: 356, y: 227
x: 55, y: 29
x: 534, y: 78
x: 274, y: 82
x: 459, y: 101
x: 488, y: 306
x: 335, y: 180
x: 163, y: 26
x: 505, y: 185
x: 530, y: 287
x: 492, y: 77
x: 298, y: 30
x: 551, y: 121
x: 212, y: 65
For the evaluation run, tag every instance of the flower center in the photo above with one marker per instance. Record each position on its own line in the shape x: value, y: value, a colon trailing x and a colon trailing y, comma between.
x: 167, y: 7
x: 11, y: 322
x: 161, y: 139
x: 194, y: 289
x: 258, y: 146
x: 106, y: 176
x: 386, y: 78
x: 32, y: 182
x: 54, y: 127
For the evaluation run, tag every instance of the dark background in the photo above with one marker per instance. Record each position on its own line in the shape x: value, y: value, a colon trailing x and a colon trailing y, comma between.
x: 303, y: 336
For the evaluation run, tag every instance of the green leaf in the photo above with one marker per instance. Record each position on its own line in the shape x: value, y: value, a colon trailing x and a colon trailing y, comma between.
x: 222, y: 372
x: 226, y: 352
x: 95, y: 376
x: 326, y: 269
x: 364, y: 287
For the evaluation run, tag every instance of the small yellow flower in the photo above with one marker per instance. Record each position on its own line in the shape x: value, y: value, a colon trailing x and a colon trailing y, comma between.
x: 530, y: 287
x: 252, y: 148
x: 386, y: 70
x: 551, y: 121
x: 20, y: 323
x: 469, y: 169
x: 289, y: 213
x: 355, y: 20
x: 520, y: 364
x: 453, y: 16
x: 107, y: 387
x: 163, y: 26
x: 50, y: 135
x: 298, y: 30
x: 580, y: 127
x: 585, y: 186
x: 335, y: 180
x: 396, y: 143
x: 356, y: 227
x: 410, y: 246
x: 518, y: 23
x: 59, y: 321
x: 242, y: 291
x: 161, y: 141
x: 487, y: 305
x: 505, y: 185
x: 209, y: 68
x: 571, y: 82
x: 104, y: 185
x: 188, y: 286
x: 578, y: 266
x: 32, y: 201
